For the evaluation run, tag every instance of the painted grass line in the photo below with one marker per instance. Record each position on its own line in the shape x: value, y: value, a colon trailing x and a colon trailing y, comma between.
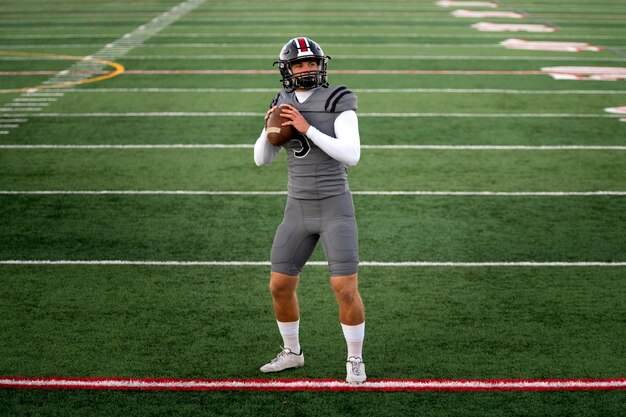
x: 388, y: 147
x: 81, y: 72
x: 489, y: 115
x: 287, y: 35
x: 133, y: 146
x: 234, y: 45
x: 273, y: 72
x: 312, y: 263
x: 497, y: 147
x: 356, y: 90
x: 381, y: 57
x: 259, y: 114
x: 360, y: 57
x: 352, y: 72
x: 284, y: 193
x: 171, y: 384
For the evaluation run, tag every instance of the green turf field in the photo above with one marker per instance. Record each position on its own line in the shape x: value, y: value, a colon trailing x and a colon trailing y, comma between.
x: 190, y: 80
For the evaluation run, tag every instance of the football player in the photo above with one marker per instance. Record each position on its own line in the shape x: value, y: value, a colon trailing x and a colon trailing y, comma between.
x: 319, y: 203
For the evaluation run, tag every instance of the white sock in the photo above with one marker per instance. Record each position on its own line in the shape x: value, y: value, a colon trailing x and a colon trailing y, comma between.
x: 290, y: 333
x: 354, y: 339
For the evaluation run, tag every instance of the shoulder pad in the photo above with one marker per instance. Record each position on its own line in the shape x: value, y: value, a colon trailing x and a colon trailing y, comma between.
x: 340, y: 100
x: 275, y: 101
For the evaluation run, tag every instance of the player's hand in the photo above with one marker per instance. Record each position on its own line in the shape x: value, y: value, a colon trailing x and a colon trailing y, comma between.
x: 297, y: 120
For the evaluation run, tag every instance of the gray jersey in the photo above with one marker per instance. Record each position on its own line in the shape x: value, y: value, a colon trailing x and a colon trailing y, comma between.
x: 312, y: 173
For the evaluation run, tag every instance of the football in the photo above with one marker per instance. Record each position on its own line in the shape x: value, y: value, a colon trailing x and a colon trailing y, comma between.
x: 277, y: 134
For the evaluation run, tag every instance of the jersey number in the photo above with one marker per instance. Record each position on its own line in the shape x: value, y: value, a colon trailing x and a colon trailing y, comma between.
x: 305, y: 147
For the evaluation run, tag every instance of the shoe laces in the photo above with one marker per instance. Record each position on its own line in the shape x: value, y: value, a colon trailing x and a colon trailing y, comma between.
x: 355, y: 364
x: 284, y: 352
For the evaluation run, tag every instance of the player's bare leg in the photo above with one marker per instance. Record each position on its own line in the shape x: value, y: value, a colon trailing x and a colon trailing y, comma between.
x: 352, y: 318
x: 283, y: 289
x: 346, y: 288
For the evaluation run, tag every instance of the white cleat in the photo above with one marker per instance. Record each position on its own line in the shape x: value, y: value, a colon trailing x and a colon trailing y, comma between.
x: 286, y: 359
x: 356, y: 370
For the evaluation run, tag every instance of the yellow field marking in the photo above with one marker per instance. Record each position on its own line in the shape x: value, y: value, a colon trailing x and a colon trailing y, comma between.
x: 119, y: 69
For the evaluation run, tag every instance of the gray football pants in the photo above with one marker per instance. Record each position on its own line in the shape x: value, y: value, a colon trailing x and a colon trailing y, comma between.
x: 304, y: 223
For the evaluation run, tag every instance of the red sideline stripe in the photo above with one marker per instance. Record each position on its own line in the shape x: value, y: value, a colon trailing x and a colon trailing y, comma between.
x: 163, y: 384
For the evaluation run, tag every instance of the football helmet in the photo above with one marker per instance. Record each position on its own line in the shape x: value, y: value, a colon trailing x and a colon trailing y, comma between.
x: 302, y: 49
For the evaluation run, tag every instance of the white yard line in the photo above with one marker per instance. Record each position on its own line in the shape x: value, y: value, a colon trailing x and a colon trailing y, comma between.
x: 491, y: 115
x: 389, y: 147
x: 383, y: 58
x: 260, y: 114
x: 356, y: 90
x: 281, y: 36
x: 498, y: 147
x: 315, y: 263
x: 231, y: 45
x: 284, y: 193
x: 350, y: 57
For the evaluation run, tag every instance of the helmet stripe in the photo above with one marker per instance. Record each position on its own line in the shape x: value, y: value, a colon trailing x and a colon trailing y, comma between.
x: 303, y: 45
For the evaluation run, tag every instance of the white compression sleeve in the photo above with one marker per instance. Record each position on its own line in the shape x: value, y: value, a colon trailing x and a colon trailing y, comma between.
x: 264, y: 151
x: 346, y: 147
